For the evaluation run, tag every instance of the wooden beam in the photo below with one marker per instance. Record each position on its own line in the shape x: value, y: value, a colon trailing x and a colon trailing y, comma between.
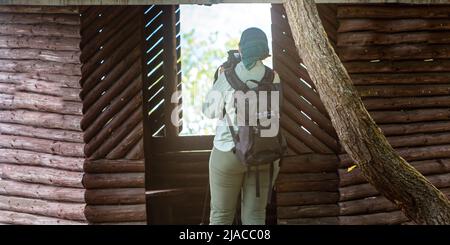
x: 208, y: 2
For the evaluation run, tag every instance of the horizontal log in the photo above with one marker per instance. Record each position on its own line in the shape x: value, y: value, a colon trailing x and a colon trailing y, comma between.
x: 390, y: 218
x: 39, y: 9
x: 309, y: 211
x: 397, y: 66
x: 22, y: 157
x: 44, y: 192
x: 41, y: 42
x: 310, y: 221
x: 44, y: 103
x: 367, y: 205
x: 306, y: 198
x: 420, y: 139
x: 114, y: 180
x: 31, y: 174
x: 31, y: 219
x: 406, y: 103
x: 376, y: 38
x: 418, y: 115
x: 403, y: 90
x: 39, y: 80
x: 306, y: 177
x: 115, y: 213
x: 394, y: 52
x: 392, y: 11
x: 41, y: 119
x: 53, y: 30
x: 70, y: 211
x: 167, y: 180
x: 299, y: 186
x: 412, y: 128
x: 39, y: 18
x: 309, y: 163
x: 366, y: 190
x: 38, y: 66
x: 41, y: 145
x: 409, y: 154
x: 113, y: 166
x: 116, y: 196
x: 401, y: 78
x: 42, y: 133
x: 70, y: 57
x: 394, y: 25
x: 123, y: 223
x: 426, y: 167
x: 374, y: 204
x: 49, y: 88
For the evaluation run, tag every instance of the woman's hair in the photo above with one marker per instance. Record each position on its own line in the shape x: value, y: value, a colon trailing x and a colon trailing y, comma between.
x: 254, y: 46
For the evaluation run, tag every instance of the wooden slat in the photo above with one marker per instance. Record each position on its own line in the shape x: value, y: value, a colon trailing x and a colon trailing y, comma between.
x: 37, y: 66
x: 403, y: 90
x: 31, y: 219
x: 128, y: 142
x: 309, y: 163
x: 398, y: 66
x: 44, y: 192
x: 113, y: 166
x: 119, y: 196
x: 407, y: 103
x: 411, y: 128
x: 401, y: 78
x: 114, y: 213
x: 39, y: 9
x: 42, y: 133
x: 306, y: 198
x: 419, y: 115
x: 394, y: 52
x: 42, y: 145
x: 70, y: 211
x: 113, y: 180
x: 39, y: 119
x: 95, y: 142
x: 373, y: 38
x: 395, y: 217
x: 426, y: 167
x: 307, y: 211
x: 22, y: 157
x: 401, y: 25
x: 410, y: 154
x: 41, y: 175
x: 51, y: 30
x: 70, y: 57
x: 366, y: 190
x: 392, y: 11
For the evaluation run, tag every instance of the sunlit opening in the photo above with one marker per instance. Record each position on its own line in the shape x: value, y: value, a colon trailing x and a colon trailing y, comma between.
x: 207, y: 33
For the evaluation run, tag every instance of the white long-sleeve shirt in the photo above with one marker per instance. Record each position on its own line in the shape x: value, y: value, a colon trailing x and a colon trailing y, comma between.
x: 221, y: 95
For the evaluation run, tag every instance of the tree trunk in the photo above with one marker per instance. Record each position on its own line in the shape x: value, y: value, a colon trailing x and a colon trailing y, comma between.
x: 390, y: 174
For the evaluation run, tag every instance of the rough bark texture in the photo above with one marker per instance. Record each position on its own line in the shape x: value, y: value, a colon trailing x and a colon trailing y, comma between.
x: 390, y: 174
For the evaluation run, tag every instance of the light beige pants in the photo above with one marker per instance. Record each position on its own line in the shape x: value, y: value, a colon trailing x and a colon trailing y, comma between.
x: 227, y: 177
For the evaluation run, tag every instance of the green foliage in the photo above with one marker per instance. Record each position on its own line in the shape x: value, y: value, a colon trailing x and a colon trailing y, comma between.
x: 199, y: 60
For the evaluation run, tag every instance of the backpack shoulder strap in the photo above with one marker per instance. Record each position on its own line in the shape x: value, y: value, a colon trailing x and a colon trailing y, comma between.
x: 269, y: 75
x: 234, y: 80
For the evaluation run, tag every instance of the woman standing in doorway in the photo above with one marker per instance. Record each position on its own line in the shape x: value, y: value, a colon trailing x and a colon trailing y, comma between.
x: 228, y: 177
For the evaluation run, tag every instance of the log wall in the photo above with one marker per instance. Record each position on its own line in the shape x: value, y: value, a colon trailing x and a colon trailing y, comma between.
x: 398, y: 57
x: 307, y: 187
x: 111, y: 54
x: 41, y: 141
